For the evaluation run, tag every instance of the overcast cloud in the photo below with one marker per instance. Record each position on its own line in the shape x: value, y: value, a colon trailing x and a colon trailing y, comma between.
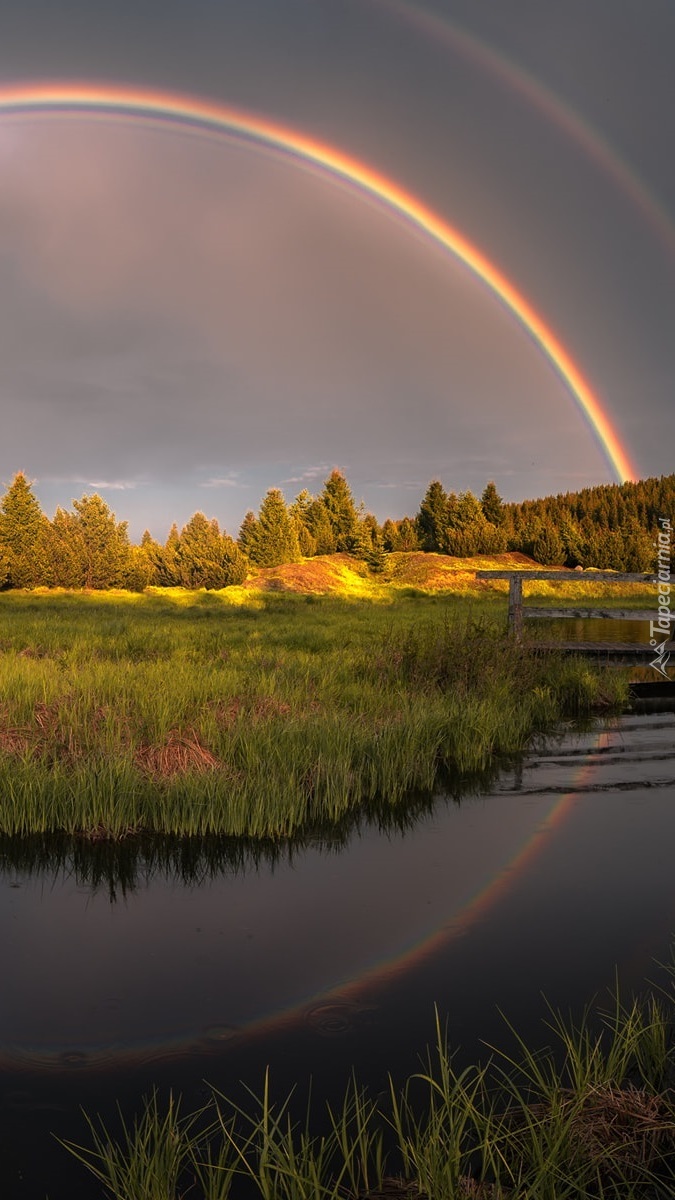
x: 186, y: 320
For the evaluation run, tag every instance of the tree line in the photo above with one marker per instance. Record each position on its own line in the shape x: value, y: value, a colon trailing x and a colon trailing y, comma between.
x: 610, y: 526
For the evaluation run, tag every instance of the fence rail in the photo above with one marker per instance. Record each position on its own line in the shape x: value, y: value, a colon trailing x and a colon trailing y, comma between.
x: 518, y: 609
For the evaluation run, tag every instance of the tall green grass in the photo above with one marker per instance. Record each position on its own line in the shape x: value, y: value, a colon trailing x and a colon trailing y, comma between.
x: 590, y: 1115
x: 190, y: 715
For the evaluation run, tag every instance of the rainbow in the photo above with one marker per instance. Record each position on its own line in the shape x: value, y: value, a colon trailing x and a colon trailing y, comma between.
x: 189, y: 111
x: 541, y: 98
x: 348, y: 999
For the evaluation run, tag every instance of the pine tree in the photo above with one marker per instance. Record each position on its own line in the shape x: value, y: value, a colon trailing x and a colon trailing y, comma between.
x: 342, y: 512
x: 377, y: 557
x: 638, y: 547
x: 248, y: 533
x: 432, y: 519
x: 199, y: 555
x: 147, y: 563
x: 23, y: 529
x: 407, y: 536
x: 492, y: 504
x: 572, y: 540
x: 390, y: 535
x: 320, y: 527
x: 165, y: 558
x: 277, y: 540
x: 300, y: 513
x: 141, y: 572
x: 368, y: 534
x: 235, y: 562
x: 65, y: 551
x: 306, y: 540
x: 469, y: 530
x: 103, y: 544
x: 547, y: 547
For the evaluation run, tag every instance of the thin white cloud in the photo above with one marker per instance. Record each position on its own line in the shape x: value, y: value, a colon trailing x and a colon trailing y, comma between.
x: 111, y: 485
x: 311, y: 474
x: 223, y: 481
x: 104, y: 485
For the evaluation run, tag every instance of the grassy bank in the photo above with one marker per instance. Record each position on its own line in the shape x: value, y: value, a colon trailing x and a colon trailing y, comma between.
x: 592, y: 1115
x: 260, y: 715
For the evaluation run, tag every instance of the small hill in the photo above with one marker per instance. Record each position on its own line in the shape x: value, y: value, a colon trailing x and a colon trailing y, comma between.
x: 442, y: 572
x: 327, y: 574
x: 339, y: 574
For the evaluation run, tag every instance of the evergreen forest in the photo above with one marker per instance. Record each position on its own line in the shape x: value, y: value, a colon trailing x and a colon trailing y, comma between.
x: 609, y: 527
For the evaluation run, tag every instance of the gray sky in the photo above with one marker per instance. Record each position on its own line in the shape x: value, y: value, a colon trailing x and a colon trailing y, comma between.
x: 187, y: 320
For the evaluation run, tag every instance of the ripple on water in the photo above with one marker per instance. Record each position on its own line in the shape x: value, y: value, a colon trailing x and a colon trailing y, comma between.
x: 337, y: 1017
x: 73, y: 1058
x: 219, y: 1034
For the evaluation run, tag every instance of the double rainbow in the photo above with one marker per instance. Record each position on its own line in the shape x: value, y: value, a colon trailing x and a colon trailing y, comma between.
x: 188, y: 111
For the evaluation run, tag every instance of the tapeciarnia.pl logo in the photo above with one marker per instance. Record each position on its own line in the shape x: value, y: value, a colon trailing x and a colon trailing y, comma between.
x: 661, y: 627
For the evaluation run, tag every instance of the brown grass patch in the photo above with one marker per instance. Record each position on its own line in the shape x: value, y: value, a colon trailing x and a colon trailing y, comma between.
x: 401, y: 1189
x: 15, y: 741
x: 618, y: 1131
x: 46, y: 717
x: 180, y: 754
x: 624, y: 1129
x: 34, y: 652
x: 252, y: 710
x: 227, y: 712
x: 269, y: 706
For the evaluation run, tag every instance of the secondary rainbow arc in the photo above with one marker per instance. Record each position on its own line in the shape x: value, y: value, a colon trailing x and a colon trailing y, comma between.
x: 558, y: 112
x: 188, y: 110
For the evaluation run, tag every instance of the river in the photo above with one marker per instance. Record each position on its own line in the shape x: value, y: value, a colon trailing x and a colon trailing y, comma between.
x: 182, y: 965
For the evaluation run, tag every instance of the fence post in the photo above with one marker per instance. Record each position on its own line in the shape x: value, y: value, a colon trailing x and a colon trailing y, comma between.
x: 515, y: 625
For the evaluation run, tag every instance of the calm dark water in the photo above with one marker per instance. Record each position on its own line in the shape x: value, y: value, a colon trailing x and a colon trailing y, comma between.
x: 595, y: 629
x: 188, y: 966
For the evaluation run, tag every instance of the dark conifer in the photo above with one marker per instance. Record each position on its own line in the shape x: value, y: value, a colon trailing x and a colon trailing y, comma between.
x: 547, y: 546
x: 432, y: 519
x: 248, y: 532
x: 342, y: 512
x: 492, y: 504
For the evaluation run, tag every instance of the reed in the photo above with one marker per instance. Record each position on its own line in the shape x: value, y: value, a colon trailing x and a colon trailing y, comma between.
x: 189, y: 714
x: 589, y: 1115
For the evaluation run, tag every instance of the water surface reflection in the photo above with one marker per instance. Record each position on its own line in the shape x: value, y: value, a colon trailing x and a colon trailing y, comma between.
x: 170, y: 962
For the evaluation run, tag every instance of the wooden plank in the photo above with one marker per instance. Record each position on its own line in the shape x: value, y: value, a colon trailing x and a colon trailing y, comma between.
x: 627, y: 650
x: 612, y: 614
x: 565, y: 576
x: 515, y: 622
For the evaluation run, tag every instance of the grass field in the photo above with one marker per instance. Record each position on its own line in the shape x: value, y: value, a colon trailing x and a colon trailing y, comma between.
x: 256, y: 713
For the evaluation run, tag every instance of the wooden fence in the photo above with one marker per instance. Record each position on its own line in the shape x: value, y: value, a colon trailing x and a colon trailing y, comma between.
x: 518, y: 609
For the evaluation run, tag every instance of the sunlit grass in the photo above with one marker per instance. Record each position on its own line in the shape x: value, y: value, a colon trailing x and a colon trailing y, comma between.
x: 184, y: 712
